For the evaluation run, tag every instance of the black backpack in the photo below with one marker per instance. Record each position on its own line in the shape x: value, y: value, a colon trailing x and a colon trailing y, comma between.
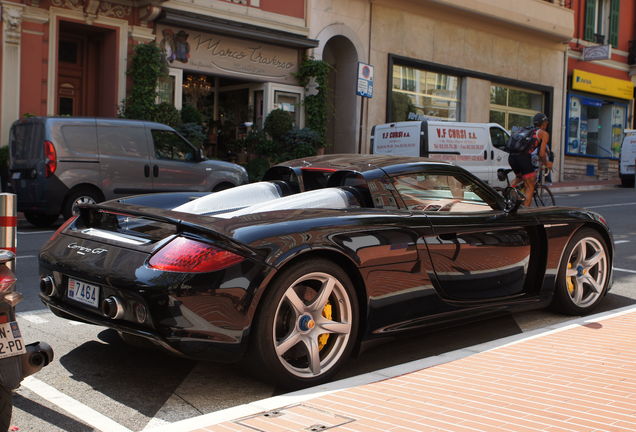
x: 521, y: 139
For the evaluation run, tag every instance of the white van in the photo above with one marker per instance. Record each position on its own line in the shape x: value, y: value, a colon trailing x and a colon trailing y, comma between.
x: 477, y: 147
x: 628, y: 155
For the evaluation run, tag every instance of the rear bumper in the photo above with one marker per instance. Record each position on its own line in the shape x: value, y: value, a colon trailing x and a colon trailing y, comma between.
x: 189, y: 346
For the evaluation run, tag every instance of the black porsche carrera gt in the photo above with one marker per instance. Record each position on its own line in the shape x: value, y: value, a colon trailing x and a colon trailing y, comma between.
x: 294, y: 271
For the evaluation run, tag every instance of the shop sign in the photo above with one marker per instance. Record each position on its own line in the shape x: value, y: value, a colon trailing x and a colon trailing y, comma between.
x: 597, y: 52
x: 365, y: 80
x: 599, y: 84
x: 216, y: 54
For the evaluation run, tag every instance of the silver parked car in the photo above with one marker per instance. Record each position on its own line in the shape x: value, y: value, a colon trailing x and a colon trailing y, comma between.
x: 59, y: 162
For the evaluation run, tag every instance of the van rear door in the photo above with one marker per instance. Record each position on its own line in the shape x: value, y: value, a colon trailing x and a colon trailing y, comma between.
x: 26, y: 148
x: 628, y: 156
x: 124, y: 158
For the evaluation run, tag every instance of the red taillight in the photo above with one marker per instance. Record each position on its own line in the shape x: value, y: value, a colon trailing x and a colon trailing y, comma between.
x: 63, y: 227
x: 191, y: 256
x: 51, y: 158
x: 7, y: 279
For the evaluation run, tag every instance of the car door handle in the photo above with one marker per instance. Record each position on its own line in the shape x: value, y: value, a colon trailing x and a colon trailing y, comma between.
x: 146, y: 170
x: 492, y: 154
x: 155, y: 171
x: 485, y: 154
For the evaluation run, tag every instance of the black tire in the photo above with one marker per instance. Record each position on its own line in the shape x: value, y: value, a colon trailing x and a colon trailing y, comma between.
x: 627, y: 180
x: 298, y: 333
x: 6, y: 408
x: 81, y: 195
x: 543, y: 196
x: 40, y: 220
x: 583, y: 277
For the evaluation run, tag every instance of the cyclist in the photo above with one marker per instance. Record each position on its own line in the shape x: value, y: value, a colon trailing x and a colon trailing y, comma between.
x: 521, y: 163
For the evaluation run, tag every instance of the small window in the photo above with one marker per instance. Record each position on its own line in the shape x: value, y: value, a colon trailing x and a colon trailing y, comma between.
x: 442, y: 192
x: 499, y: 137
x: 170, y: 146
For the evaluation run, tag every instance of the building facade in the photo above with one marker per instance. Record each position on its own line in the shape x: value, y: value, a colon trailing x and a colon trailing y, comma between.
x: 471, y: 60
x: 234, y: 60
x: 600, y: 87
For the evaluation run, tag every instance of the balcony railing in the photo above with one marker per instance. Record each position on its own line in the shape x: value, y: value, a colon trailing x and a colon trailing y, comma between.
x: 563, y: 3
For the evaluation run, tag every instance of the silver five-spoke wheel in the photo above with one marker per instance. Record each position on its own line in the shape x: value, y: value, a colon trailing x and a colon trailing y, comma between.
x: 585, y: 272
x: 307, y: 324
x: 312, y: 324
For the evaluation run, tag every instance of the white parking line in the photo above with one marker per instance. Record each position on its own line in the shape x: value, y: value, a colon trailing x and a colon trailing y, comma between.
x: 26, y: 256
x: 611, y: 205
x: 621, y: 241
x: 35, y: 319
x: 625, y: 270
x: 77, y: 409
x: 35, y: 232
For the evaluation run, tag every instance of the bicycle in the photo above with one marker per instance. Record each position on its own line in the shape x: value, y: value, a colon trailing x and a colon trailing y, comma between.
x: 542, y: 195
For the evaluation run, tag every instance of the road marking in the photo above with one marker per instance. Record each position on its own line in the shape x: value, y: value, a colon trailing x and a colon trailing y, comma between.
x: 621, y: 241
x: 35, y: 232
x: 26, y: 256
x: 625, y: 270
x: 77, y: 409
x: 611, y: 205
x: 33, y: 318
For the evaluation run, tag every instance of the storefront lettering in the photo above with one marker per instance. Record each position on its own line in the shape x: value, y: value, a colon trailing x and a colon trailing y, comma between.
x: 252, y: 54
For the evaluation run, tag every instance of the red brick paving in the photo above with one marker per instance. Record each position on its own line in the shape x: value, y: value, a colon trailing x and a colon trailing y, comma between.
x: 579, y: 379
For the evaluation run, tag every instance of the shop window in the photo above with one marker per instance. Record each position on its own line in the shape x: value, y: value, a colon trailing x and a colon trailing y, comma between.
x: 595, y: 127
x: 418, y: 94
x: 511, y: 106
x: 288, y: 102
x: 601, y: 21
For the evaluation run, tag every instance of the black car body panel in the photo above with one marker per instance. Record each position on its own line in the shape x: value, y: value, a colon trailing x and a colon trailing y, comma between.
x: 410, y: 268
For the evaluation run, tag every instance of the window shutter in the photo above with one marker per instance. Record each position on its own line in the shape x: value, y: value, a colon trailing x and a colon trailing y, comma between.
x: 613, y: 22
x: 590, y: 12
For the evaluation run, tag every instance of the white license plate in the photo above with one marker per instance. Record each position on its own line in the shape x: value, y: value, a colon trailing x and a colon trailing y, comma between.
x: 83, y: 292
x: 11, y: 343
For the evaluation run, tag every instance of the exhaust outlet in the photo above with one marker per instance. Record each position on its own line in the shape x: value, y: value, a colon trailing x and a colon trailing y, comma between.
x: 112, y: 307
x: 38, y: 355
x: 47, y: 286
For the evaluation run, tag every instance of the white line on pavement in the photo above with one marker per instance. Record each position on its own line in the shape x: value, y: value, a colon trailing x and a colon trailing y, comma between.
x: 26, y: 256
x: 611, y: 205
x: 621, y: 241
x: 33, y: 318
x: 624, y: 270
x: 35, y: 232
x: 77, y: 409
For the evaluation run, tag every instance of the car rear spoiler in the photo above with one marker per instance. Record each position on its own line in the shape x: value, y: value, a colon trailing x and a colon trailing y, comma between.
x: 196, y: 225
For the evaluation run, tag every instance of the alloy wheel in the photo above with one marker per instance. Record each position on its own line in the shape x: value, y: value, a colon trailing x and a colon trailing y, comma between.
x: 312, y: 325
x: 587, y: 272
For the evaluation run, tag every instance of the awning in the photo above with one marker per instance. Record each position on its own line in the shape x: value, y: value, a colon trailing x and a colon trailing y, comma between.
x: 205, y: 23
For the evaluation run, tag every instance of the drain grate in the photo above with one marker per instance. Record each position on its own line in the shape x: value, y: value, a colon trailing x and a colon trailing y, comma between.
x: 295, y: 418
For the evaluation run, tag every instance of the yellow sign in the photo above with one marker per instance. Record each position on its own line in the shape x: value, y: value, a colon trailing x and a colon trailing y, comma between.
x: 595, y: 83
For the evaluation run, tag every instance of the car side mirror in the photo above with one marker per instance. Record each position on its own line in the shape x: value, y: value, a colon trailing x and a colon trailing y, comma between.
x: 201, y: 155
x: 512, y: 199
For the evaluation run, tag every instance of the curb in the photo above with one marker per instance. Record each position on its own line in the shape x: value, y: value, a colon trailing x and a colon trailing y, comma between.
x: 277, y: 402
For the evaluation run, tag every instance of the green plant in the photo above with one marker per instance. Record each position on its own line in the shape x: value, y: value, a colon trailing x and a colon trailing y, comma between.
x: 277, y: 124
x: 167, y: 114
x: 146, y: 67
x: 300, y: 143
x: 256, y: 168
x: 193, y: 132
x: 189, y: 114
x: 315, y: 73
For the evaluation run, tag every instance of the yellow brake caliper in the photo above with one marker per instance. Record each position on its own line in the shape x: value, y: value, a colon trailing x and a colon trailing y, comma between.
x: 569, y: 282
x: 323, y: 338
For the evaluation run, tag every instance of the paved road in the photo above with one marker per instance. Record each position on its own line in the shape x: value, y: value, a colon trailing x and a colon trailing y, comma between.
x: 99, y: 383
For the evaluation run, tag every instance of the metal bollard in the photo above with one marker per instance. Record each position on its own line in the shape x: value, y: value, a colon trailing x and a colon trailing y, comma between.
x: 8, y: 224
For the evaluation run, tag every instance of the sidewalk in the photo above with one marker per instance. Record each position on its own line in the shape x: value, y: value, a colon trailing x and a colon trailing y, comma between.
x: 577, y: 376
x: 582, y: 186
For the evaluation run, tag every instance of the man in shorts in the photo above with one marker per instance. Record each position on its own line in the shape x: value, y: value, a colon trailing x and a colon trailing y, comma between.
x: 521, y: 163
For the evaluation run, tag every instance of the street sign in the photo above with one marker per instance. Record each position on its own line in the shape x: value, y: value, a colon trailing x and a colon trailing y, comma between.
x: 597, y: 52
x: 365, y: 80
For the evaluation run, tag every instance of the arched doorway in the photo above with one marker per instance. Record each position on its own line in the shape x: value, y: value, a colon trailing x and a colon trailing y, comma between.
x: 343, y: 125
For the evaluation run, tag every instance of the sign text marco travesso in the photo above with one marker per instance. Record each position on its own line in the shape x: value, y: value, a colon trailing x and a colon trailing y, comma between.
x: 211, y: 53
